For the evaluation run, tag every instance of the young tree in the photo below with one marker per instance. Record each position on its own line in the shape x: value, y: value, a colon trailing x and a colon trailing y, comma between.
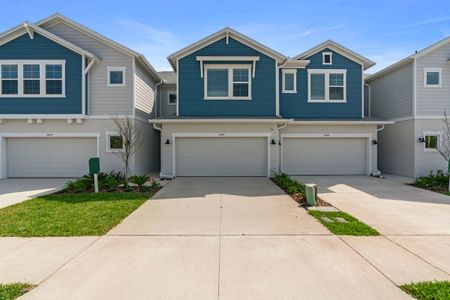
x: 443, y: 146
x: 125, y: 127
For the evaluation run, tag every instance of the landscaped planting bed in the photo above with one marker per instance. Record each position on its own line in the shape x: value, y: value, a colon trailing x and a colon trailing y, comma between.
x: 436, y: 182
x: 428, y: 290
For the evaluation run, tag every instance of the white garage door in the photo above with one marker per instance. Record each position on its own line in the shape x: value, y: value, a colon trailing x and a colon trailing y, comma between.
x: 49, y: 157
x: 221, y: 156
x: 324, y: 156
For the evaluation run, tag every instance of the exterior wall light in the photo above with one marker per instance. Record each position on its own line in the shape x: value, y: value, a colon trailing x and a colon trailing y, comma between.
x: 421, y: 139
x: 374, y: 142
x: 167, y: 142
x: 273, y: 142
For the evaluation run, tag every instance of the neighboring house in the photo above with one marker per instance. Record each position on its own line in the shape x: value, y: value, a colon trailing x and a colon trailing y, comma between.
x: 61, y: 85
x: 243, y: 109
x: 415, y: 93
x: 167, y: 100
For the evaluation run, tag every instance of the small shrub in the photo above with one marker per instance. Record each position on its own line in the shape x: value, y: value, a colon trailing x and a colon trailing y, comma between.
x: 288, y: 184
x: 108, y: 184
x: 117, y: 176
x: 139, y: 180
x: 81, y: 185
x: 434, y: 181
x: 155, y: 185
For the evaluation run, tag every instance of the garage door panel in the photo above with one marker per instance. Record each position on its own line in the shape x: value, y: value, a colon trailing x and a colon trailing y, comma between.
x: 324, y: 156
x: 225, y: 156
x: 49, y: 157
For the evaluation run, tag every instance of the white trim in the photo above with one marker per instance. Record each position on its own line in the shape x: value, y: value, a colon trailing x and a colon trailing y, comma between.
x: 230, y: 68
x: 253, y: 59
x: 133, y: 77
x: 115, y: 69
x: 168, y: 97
x: 109, y: 134
x: 201, y: 121
x: 363, y: 94
x: 42, y: 78
x: 327, y: 73
x: 434, y: 70
x: 289, y: 71
x: 367, y: 63
x: 277, y: 89
x: 83, y: 84
x: 343, y: 122
x: 414, y: 87
x: 220, y: 35
x: 220, y: 135
x: 432, y: 133
x: 367, y: 136
x: 324, y: 54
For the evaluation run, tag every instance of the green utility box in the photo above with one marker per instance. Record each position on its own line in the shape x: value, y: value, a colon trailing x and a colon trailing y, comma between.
x: 94, y: 165
x: 311, y: 194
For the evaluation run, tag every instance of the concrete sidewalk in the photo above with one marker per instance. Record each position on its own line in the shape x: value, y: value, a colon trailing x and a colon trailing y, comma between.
x: 226, y: 238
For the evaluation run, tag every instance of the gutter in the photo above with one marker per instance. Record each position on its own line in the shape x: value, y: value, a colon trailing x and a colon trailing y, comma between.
x: 172, y: 121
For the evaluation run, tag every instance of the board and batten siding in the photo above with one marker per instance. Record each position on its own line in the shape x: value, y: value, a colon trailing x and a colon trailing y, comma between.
x: 191, y: 85
x: 433, y: 101
x: 41, y: 48
x: 166, y: 109
x: 102, y: 100
x: 295, y: 105
x: 145, y: 91
x: 392, y: 94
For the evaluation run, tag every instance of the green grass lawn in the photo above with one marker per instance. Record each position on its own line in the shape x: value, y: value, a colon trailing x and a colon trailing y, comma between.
x: 352, y: 227
x: 69, y: 214
x: 13, y: 290
x: 428, y: 290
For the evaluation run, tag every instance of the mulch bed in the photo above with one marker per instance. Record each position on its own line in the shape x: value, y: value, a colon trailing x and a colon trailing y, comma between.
x: 302, y: 200
x: 442, y: 190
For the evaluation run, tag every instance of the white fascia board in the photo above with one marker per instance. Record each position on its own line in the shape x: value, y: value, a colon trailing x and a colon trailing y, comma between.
x: 49, y: 134
x: 431, y: 48
x: 180, y: 121
x: 41, y: 116
x: 219, y: 35
x: 339, y: 49
x: 341, y: 122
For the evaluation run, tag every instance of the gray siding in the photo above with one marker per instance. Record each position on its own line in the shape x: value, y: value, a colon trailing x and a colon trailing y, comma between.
x: 166, y: 109
x: 392, y: 94
x: 433, y: 101
x: 396, y: 149
x: 147, y: 159
x: 102, y: 100
x: 144, y: 91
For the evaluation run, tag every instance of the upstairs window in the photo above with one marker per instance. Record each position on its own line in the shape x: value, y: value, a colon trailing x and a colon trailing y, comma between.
x: 432, y: 77
x: 289, y: 81
x: 32, y: 78
x: 10, y: 79
x: 227, y: 82
x: 327, y: 86
x: 327, y: 58
x: 116, y: 76
x: 172, y: 98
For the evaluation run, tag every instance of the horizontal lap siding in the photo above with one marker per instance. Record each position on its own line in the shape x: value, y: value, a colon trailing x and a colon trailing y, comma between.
x: 191, y: 88
x: 41, y: 48
x: 102, y: 100
x: 434, y: 101
x: 145, y: 91
x: 392, y: 94
x: 297, y: 106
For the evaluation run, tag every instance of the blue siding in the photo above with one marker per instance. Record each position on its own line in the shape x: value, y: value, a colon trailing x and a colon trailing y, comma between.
x: 297, y: 106
x: 41, y: 48
x: 191, y: 88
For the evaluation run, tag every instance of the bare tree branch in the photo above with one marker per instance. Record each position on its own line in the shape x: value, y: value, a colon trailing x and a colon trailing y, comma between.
x: 443, y: 146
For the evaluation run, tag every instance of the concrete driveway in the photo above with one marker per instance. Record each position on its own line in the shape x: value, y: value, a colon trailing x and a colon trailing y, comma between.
x: 15, y: 190
x: 224, y: 238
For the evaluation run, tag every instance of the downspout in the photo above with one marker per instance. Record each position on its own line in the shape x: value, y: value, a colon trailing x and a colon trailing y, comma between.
x: 161, y: 175
x: 279, y: 143
x: 377, y: 173
x: 278, y: 86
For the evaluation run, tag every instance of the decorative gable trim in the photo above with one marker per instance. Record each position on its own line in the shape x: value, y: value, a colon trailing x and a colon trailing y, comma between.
x: 225, y: 33
x: 365, y: 62
x: 28, y: 28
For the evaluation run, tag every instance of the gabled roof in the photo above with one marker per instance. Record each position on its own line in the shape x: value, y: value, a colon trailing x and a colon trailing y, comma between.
x: 169, y: 77
x: 226, y: 32
x: 29, y: 28
x: 367, y: 63
x: 57, y: 18
x: 410, y: 58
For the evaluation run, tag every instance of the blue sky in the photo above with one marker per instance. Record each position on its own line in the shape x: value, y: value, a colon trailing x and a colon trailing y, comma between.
x: 384, y: 31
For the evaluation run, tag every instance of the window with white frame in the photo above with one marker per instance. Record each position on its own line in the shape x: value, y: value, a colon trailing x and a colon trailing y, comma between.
x: 289, y: 81
x: 432, y: 77
x: 116, y: 76
x: 172, y: 98
x: 327, y: 86
x: 227, y: 82
x: 114, y: 142
x: 32, y: 78
x: 327, y: 58
x: 431, y: 141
